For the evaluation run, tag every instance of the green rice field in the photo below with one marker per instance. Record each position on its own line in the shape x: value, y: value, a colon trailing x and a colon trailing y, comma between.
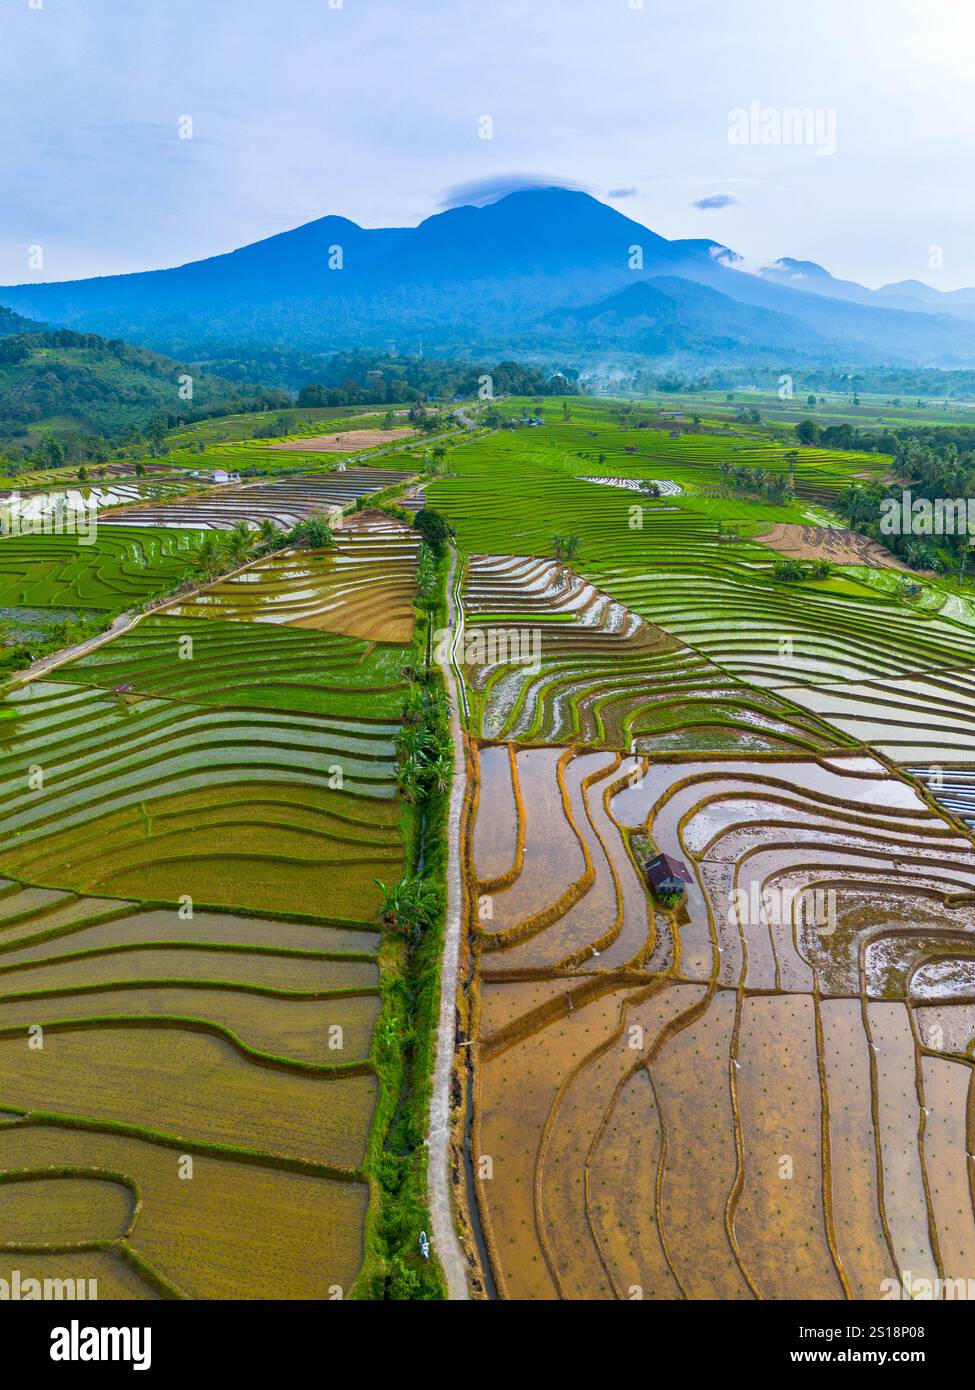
x: 208, y: 815
x: 195, y: 815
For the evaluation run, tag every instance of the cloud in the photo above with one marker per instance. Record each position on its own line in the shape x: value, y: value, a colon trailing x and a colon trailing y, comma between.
x: 622, y: 193
x: 480, y: 192
x: 731, y: 260
x: 717, y: 200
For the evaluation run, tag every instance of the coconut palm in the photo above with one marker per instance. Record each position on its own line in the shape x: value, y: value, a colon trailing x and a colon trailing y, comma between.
x: 240, y: 543
x: 209, y: 556
x: 270, y: 536
x: 314, y: 531
x: 413, y: 741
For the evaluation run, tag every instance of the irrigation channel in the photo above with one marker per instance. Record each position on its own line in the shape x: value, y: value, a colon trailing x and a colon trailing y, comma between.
x: 445, y: 1239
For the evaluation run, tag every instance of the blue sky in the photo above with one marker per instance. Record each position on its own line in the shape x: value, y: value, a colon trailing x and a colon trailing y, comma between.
x: 372, y: 109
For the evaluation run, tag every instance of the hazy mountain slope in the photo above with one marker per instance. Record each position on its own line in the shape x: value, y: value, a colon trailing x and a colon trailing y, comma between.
x: 484, y: 279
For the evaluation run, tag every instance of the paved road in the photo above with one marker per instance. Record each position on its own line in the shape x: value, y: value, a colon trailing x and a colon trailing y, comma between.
x: 439, y: 1182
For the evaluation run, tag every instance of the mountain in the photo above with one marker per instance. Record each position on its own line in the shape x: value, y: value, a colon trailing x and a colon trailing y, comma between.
x: 14, y: 323
x: 480, y: 280
x: 668, y: 317
x: 924, y: 299
x: 79, y: 381
x: 913, y: 296
x: 458, y: 274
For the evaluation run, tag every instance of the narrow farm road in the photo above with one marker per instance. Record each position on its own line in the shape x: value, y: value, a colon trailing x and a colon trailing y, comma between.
x: 49, y: 663
x: 445, y: 1240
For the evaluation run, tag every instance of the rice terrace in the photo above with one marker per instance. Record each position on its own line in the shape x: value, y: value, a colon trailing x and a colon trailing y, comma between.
x: 487, y: 675
x: 690, y: 829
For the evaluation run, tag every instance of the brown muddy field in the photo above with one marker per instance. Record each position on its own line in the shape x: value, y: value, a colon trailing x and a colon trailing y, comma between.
x: 354, y: 440
x: 764, y: 1092
x: 832, y: 543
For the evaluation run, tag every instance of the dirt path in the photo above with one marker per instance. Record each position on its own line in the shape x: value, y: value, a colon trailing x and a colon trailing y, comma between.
x: 444, y: 1237
x: 48, y: 663
x: 121, y: 624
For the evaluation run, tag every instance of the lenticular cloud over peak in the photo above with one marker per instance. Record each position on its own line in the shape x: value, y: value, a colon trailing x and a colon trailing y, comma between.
x: 480, y: 192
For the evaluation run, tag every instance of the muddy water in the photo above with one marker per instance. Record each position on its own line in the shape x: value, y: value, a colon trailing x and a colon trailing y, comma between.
x: 946, y: 1027
x: 903, y: 1186
x: 759, y: 878
x: 496, y: 827
x: 854, y: 1194
x: 780, y: 1221
x: 595, y: 914
x: 946, y: 1154
x: 576, y: 1129
x: 633, y: 893
x: 553, y: 859
x: 691, y: 1076
x: 718, y: 881
x: 518, y: 1089
x: 504, y: 1004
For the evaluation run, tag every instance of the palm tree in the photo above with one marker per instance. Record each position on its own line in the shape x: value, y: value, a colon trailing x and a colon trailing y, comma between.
x: 240, y: 542
x: 570, y: 547
x: 410, y: 782
x: 413, y: 740
x: 208, y: 556
x: 314, y: 531
x: 917, y: 555
x: 849, y: 503
x: 271, y: 535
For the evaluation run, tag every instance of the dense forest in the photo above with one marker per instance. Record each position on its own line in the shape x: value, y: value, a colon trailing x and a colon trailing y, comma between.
x: 370, y: 378
x: 78, y: 381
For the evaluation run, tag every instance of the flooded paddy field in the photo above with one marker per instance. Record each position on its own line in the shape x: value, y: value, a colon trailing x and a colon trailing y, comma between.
x: 719, y: 1100
x: 195, y: 817
x: 285, y: 501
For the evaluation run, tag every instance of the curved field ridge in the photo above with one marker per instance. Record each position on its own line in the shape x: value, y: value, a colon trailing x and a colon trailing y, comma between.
x: 691, y: 567
x: 194, y: 820
x: 260, y: 666
x: 231, y: 1016
x: 258, y: 808
x: 735, y: 1100
x: 284, y: 501
x: 364, y: 587
x: 551, y: 657
x: 124, y: 565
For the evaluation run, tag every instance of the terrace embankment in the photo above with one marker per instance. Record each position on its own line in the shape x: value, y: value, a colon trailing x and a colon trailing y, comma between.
x: 708, y: 1102
x: 198, y: 1013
